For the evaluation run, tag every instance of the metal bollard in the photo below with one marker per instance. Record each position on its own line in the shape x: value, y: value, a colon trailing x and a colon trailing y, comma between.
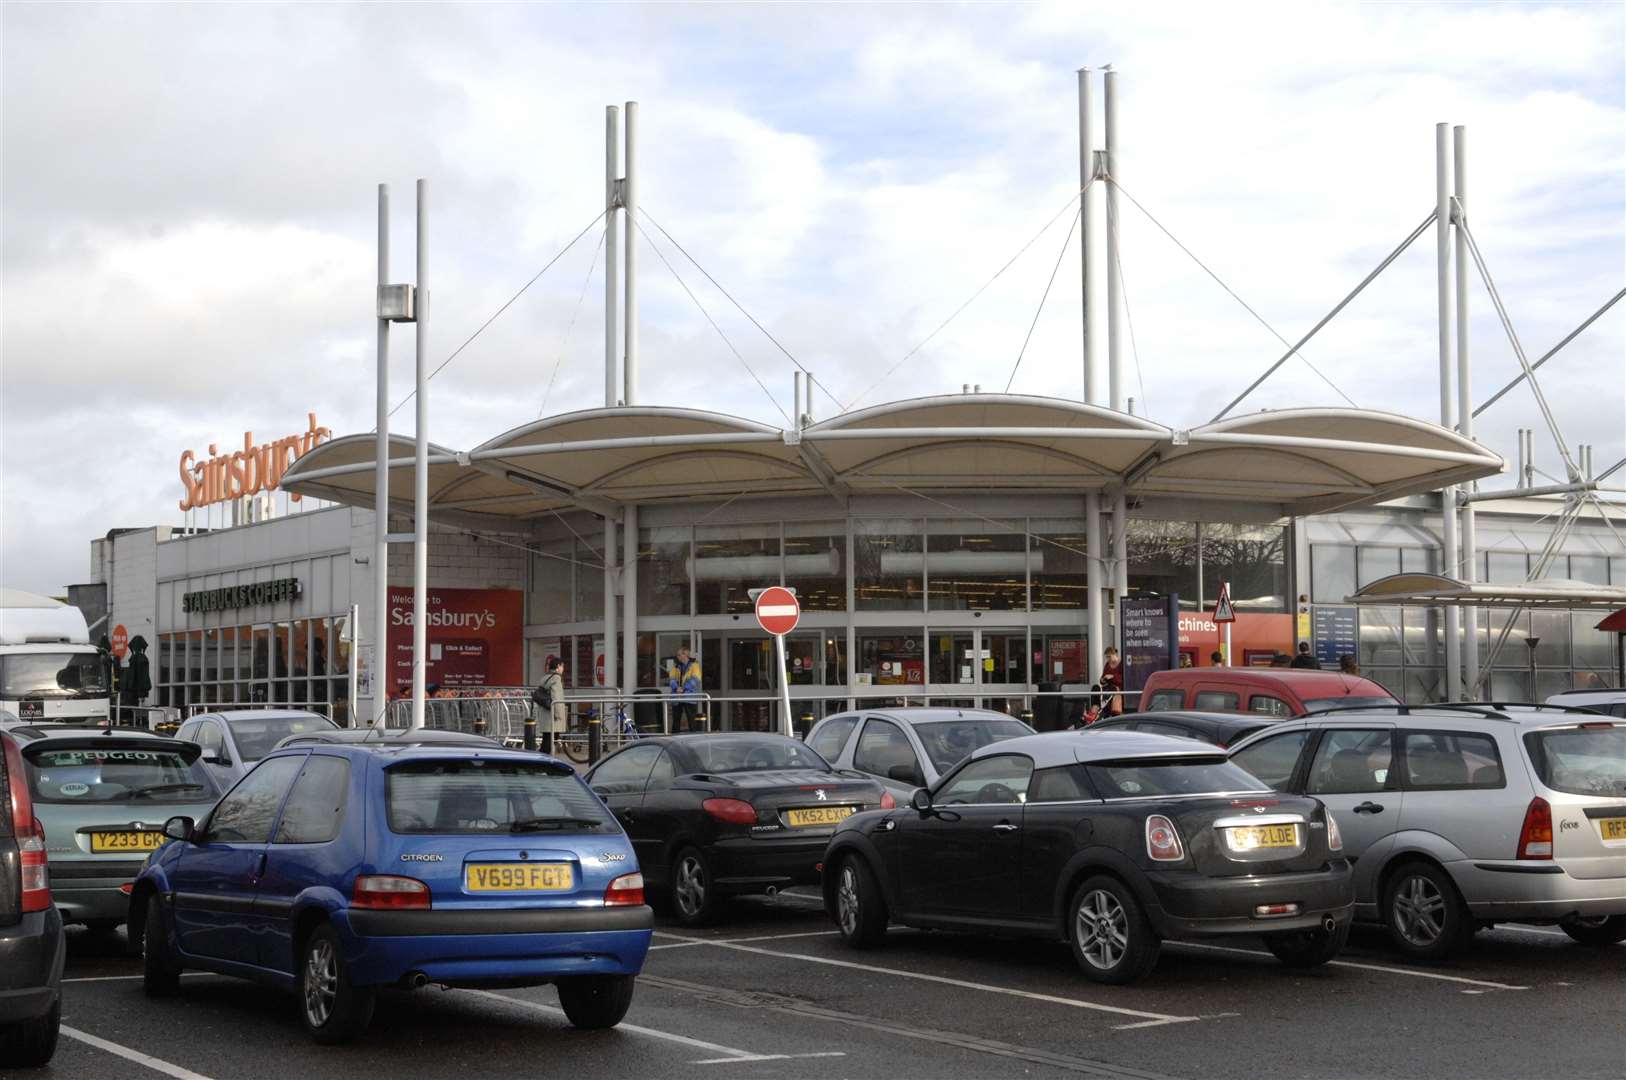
x: 530, y: 729
x: 595, y: 740
x: 1027, y: 717
x: 480, y: 723
x: 806, y: 720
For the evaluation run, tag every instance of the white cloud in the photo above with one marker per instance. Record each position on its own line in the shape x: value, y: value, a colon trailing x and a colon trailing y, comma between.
x: 188, y: 219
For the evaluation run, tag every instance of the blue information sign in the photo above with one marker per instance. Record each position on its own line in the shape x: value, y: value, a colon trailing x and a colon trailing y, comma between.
x: 1149, y: 627
x: 1336, y: 629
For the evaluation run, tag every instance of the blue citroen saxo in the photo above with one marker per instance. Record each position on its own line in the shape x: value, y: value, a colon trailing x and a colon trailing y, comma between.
x: 335, y: 869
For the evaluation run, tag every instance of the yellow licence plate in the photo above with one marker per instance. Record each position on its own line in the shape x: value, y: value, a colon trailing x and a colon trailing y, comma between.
x: 818, y: 815
x: 518, y: 877
x: 126, y: 841
x: 1613, y: 828
x: 1264, y: 836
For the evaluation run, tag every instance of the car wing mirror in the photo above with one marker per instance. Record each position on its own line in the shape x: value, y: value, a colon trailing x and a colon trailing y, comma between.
x: 216, y: 759
x: 180, y: 827
x: 921, y: 800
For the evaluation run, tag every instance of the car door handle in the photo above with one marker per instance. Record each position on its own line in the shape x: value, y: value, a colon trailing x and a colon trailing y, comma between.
x: 1005, y: 826
x: 1369, y: 808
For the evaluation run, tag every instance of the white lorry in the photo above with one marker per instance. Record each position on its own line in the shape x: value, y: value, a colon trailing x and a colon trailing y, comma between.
x: 49, y: 670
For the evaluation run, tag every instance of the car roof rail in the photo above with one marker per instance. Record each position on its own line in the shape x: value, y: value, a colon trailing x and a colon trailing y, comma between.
x: 1535, y: 706
x: 1477, y: 708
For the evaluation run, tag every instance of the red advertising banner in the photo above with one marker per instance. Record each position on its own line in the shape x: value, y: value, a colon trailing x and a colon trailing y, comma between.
x: 476, y: 637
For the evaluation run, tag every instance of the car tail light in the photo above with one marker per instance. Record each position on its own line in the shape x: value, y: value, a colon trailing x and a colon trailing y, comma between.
x: 1536, y: 837
x: 386, y: 892
x: 36, y: 875
x: 1162, y: 841
x: 1335, y: 839
x: 887, y: 801
x: 733, y: 811
x: 626, y: 890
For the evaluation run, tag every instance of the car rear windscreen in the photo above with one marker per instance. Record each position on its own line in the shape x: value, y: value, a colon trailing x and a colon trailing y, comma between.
x: 750, y: 753
x: 257, y: 736
x: 948, y: 741
x: 1180, y: 776
x: 107, y: 774
x: 481, y: 796
x: 1581, y: 761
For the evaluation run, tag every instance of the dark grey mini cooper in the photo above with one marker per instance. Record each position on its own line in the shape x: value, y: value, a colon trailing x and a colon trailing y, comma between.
x: 1111, y: 841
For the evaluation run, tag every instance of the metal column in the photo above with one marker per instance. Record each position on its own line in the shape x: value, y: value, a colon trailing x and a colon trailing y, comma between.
x: 381, y: 482
x: 1468, y: 566
x: 629, y: 267
x: 629, y: 589
x: 612, y: 357
x: 420, y: 472
x: 1115, y: 381
x: 1095, y: 572
x: 1449, y: 556
x: 1086, y: 169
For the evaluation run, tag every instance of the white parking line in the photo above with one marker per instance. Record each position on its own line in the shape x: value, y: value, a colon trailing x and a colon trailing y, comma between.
x: 768, y: 1057
x: 1364, y: 967
x: 1075, y: 1003
x: 685, y: 942
x: 1531, y: 930
x: 155, y: 1064
x: 733, y: 1053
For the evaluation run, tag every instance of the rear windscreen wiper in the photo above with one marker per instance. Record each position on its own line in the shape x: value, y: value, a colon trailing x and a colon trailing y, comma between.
x: 154, y: 789
x: 538, y: 824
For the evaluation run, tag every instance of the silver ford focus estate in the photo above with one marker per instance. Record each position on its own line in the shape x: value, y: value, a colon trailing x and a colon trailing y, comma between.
x: 1457, y: 817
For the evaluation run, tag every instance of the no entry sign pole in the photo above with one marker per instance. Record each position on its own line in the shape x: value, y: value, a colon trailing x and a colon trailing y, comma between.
x: 778, y: 612
x: 1225, y: 615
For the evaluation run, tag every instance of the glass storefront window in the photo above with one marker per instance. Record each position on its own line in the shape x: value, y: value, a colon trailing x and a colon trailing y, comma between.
x: 1594, y: 648
x: 663, y: 571
x: 891, y: 658
x: 887, y: 564
x: 1425, y: 629
x: 194, y: 657
x: 1514, y: 654
x: 165, y: 651
x: 245, y: 654
x: 1378, y: 562
x: 1332, y: 573
x: 588, y: 570
x: 1007, y: 659
x: 976, y: 566
x: 1163, y: 559
x: 260, y: 689
x: 583, y: 673
x: 553, y: 582
x: 1593, y: 569
x: 1505, y: 567
x: 952, y: 658
x: 1062, y: 658
x: 1253, y: 558
x: 1552, y: 631
x: 1058, y: 562
x: 750, y: 664
x: 817, y: 658
x: 816, y: 564
x: 1380, y: 637
x: 321, y: 631
x: 729, y: 561
x: 1417, y: 560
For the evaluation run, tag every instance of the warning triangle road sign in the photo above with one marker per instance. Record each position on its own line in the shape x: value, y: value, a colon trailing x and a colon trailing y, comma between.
x: 1223, y: 612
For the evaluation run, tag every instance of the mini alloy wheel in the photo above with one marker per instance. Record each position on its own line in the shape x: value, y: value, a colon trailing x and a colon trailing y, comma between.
x: 847, y: 898
x: 860, y: 909
x: 1111, y: 939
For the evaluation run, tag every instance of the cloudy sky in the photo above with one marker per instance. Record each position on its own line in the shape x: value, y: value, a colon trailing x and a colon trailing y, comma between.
x: 189, y: 191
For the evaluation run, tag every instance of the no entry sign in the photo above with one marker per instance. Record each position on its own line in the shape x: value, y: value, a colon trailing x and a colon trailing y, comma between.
x: 777, y: 610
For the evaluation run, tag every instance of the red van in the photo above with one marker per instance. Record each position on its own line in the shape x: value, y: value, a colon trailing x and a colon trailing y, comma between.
x: 1269, y: 691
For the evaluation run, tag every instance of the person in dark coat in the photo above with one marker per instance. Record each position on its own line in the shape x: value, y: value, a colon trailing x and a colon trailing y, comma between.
x: 1304, y: 659
x: 137, y: 681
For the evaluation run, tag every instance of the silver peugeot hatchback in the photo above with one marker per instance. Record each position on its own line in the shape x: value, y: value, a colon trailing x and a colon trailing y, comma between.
x: 1457, y: 817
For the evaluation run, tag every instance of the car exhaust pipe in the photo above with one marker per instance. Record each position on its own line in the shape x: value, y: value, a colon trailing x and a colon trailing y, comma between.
x: 773, y: 891
x: 417, y: 980
x: 1328, y: 923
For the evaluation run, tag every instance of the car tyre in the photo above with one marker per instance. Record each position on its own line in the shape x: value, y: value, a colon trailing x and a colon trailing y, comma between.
x: 592, y: 1002
x: 1308, y: 948
x: 694, y: 896
x: 1424, y: 913
x: 32, y: 1043
x: 860, y: 909
x: 1112, y: 940
x: 160, y: 971
x: 1598, y: 930
x: 332, y: 1008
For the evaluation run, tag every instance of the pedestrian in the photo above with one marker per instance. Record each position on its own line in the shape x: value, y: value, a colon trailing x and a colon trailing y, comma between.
x: 1112, y: 683
x: 551, y: 697
x: 1347, y: 665
x: 1186, y: 661
x: 682, y: 683
x: 1304, y: 659
x: 1216, y: 658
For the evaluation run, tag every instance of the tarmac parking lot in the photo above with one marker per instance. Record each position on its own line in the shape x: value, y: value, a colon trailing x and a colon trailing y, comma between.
x: 773, y: 992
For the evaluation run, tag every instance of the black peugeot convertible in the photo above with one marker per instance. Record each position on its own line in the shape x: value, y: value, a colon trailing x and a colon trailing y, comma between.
x: 714, y: 816
x: 1111, y: 841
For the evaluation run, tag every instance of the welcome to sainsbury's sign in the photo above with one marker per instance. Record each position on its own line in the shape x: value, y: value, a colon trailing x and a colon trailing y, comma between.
x: 223, y: 477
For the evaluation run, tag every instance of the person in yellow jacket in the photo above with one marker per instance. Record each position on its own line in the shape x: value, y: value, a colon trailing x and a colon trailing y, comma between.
x: 683, y: 684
